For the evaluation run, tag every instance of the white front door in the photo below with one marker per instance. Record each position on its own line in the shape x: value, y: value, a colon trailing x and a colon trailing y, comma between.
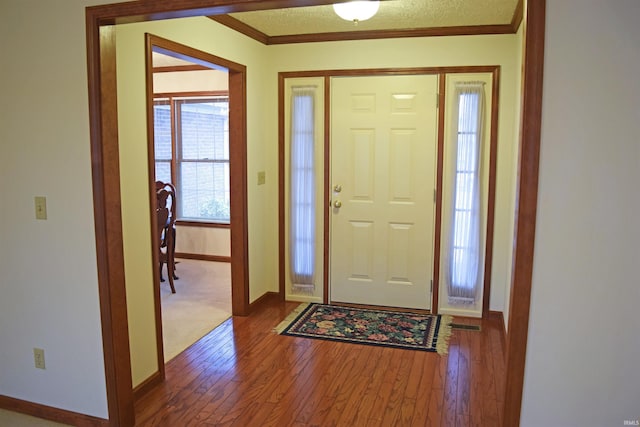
x: 383, y: 169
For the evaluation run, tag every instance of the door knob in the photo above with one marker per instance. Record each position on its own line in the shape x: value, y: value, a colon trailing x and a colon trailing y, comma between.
x: 337, y: 204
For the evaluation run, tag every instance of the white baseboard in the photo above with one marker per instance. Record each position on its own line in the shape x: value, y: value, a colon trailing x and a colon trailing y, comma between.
x: 303, y: 298
x: 461, y: 312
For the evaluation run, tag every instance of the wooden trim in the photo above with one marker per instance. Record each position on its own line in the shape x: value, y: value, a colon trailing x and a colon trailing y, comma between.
x: 191, y: 54
x: 241, y: 27
x: 210, y: 93
x: 103, y: 117
x: 50, y: 413
x: 238, y: 199
x: 491, y: 192
x: 392, y: 34
x: 155, y: 240
x: 174, y: 141
x: 263, y: 300
x: 391, y: 71
x: 144, y: 10
x: 281, y: 191
x: 526, y: 210
x: 327, y: 187
x: 147, y: 385
x: 437, y: 233
x: 180, y: 68
x: 187, y: 223
x: 518, y: 16
x: 203, y: 257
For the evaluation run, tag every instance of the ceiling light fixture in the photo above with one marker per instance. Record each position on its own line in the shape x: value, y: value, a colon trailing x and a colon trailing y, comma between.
x: 356, y: 11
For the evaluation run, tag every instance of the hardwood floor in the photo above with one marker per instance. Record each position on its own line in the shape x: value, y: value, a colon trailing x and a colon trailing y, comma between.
x: 242, y: 374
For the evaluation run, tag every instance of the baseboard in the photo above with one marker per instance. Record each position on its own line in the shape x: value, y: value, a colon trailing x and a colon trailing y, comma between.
x: 50, y: 413
x: 261, y: 300
x: 201, y: 257
x: 499, y: 316
x: 147, y: 385
x: 460, y: 312
x: 303, y: 298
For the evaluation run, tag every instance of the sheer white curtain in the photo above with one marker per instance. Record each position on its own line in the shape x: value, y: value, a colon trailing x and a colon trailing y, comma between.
x: 464, y: 262
x: 302, y: 232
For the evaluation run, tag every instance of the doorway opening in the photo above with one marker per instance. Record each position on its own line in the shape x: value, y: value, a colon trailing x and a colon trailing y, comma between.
x: 196, y: 143
x: 191, y: 153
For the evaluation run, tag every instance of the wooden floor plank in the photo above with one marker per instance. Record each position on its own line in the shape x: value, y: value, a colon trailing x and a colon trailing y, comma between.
x: 464, y: 378
x: 449, y: 406
x: 243, y: 374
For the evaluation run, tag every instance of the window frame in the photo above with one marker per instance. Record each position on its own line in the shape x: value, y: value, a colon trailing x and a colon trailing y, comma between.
x: 172, y: 99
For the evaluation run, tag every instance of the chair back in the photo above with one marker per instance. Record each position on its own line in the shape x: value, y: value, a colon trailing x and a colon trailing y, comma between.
x: 166, y: 197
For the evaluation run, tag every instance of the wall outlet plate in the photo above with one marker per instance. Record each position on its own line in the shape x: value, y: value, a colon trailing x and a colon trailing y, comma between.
x: 38, y: 358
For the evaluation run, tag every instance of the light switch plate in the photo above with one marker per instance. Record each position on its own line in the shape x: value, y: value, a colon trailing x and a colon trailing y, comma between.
x: 262, y: 177
x: 41, y: 207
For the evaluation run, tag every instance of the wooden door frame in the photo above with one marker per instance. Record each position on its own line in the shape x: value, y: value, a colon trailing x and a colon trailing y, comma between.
x: 103, y: 120
x: 441, y: 72
x: 236, y: 74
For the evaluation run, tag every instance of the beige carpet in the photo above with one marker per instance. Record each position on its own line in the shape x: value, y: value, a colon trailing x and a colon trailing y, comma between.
x: 202, y: 301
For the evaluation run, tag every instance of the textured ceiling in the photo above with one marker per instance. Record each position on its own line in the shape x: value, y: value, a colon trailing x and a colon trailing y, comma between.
x: 392, y: 15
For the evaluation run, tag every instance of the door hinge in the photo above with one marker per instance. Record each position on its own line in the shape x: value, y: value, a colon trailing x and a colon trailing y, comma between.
x: 437, y: 100
x: 435, y: 192
x: 431, y: 286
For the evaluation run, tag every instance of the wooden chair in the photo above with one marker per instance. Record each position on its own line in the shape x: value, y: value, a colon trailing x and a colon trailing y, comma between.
x: 166, y: 211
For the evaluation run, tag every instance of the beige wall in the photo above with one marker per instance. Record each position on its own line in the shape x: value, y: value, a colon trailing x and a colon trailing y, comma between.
x: 190, y: 81
x: 48, y: 272
x: 203, y: 240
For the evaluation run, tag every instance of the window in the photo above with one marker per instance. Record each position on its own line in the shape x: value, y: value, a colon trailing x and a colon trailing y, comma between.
x: 302, y: 189
x: 192, y: 152
x: 465, y: 247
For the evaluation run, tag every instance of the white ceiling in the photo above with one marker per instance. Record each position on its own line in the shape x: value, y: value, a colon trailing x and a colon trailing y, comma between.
x: 392, y: 15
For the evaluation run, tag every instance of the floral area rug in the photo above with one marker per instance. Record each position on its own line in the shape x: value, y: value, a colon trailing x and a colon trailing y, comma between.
x: 373, y: 327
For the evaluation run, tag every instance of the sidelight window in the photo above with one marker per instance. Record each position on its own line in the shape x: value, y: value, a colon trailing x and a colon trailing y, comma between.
x: 302, y: 189
x: 465, y: 239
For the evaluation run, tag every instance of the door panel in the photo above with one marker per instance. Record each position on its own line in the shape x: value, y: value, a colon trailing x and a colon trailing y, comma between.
x: 383, y: 166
